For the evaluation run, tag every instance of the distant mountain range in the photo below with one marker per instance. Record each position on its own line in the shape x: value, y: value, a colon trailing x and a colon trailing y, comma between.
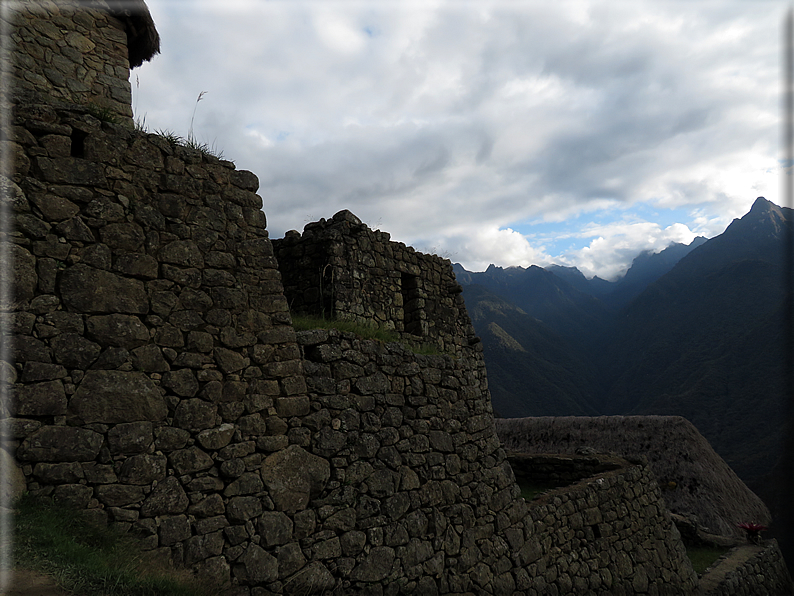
x: 696, y: 330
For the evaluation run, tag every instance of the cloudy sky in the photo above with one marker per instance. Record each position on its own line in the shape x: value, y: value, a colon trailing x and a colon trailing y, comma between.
x: 514, y: 133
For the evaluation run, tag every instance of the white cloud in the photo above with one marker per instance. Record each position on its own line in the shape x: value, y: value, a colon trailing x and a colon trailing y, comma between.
x: 450, y: 122
x: 614, y: 247
x: 480, y: 246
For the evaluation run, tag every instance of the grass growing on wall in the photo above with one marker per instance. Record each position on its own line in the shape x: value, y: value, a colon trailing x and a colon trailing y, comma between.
x: 703, y: 557
x: 91, y: 560
x: 307, y: 322
x: 531, y: 491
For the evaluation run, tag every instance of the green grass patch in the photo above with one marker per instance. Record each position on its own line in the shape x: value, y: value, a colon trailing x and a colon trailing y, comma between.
x: 531, y: 491
x: 307, y: 322
x: 703, y: 557
x: 91, y: 560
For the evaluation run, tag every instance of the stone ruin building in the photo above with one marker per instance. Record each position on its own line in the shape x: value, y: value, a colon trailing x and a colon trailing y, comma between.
x: 159, y: 385
x: 79, y: 52
x: 343, y: 270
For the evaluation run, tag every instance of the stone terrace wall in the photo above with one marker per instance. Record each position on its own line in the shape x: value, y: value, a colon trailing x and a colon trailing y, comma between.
x: 420, y: 492
x: 705, y: 486
x: 155, y: 364
x: 422, y: 499
x: 610, y: 534
x: 70, y: 52
x: 340, y: 268
x: 749, y: 570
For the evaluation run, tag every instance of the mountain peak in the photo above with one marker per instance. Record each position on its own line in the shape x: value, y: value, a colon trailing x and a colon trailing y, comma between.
x: 761, y: 204
x: 764, y: 217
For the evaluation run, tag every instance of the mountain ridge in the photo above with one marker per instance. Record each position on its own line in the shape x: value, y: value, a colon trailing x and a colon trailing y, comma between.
x: 702, y: 339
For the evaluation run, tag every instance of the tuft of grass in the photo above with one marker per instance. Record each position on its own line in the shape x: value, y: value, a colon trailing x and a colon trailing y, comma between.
x: 103, y: 114
x: 170, y: 136
x: 192, y: 143
x: 140, y: 124
x: 91, y: 560
x: 703, y: 557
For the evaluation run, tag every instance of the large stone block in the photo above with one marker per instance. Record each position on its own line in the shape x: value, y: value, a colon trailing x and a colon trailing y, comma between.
x: 195, y: 414
x: 188, y: 461
x: 143, y: 469
x: 74, y: 351
x: 71, y: 170
x: 89, y: 290
x: 184, y: 253
x: 60, y: 444
x: 294, y: 476
x: 41, y: 399
x: 167, y: 498
x: 256, y: 566
x: 114, y: 396
x: 123, y: 331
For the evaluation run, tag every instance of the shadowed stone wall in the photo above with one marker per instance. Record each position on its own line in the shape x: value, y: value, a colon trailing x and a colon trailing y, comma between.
x: 70, y: 52
x: 339, y: 268
x: 153, y: 349
x: 697, y: 481
x: 748, y: 570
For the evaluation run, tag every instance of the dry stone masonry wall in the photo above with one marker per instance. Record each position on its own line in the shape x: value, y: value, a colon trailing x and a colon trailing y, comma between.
x: 418, y: 478
x: 341, y: 269
x: 152, y: 343
x: 610, y: 534
x: 70, y: 52
x: 748, y: 570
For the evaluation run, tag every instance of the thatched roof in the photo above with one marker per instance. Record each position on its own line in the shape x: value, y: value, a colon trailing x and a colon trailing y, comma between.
x: 143, y: 41
x: 705, y: 486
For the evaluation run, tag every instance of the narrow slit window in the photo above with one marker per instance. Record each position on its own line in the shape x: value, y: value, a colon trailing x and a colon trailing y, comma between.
x: 412, y: 304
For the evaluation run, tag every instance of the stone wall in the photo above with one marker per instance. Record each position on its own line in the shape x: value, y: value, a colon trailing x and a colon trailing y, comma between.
x: 609, y: 534
x: 749, y: 570
x: 421, y: 494
x: 70, y: 52
x: 153, y: 351
x: 423, y: 486
x: 340, y: 268
x: 697, y: 481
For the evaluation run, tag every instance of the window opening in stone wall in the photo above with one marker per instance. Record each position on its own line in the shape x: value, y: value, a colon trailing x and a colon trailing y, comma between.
x: 78, y: 143
x: 412, y: 320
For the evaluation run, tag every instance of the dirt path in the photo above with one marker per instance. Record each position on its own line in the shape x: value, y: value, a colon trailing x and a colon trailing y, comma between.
x: 31, y: 583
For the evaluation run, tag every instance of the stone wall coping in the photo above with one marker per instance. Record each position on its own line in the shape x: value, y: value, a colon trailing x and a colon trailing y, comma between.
x: 581, y: 485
